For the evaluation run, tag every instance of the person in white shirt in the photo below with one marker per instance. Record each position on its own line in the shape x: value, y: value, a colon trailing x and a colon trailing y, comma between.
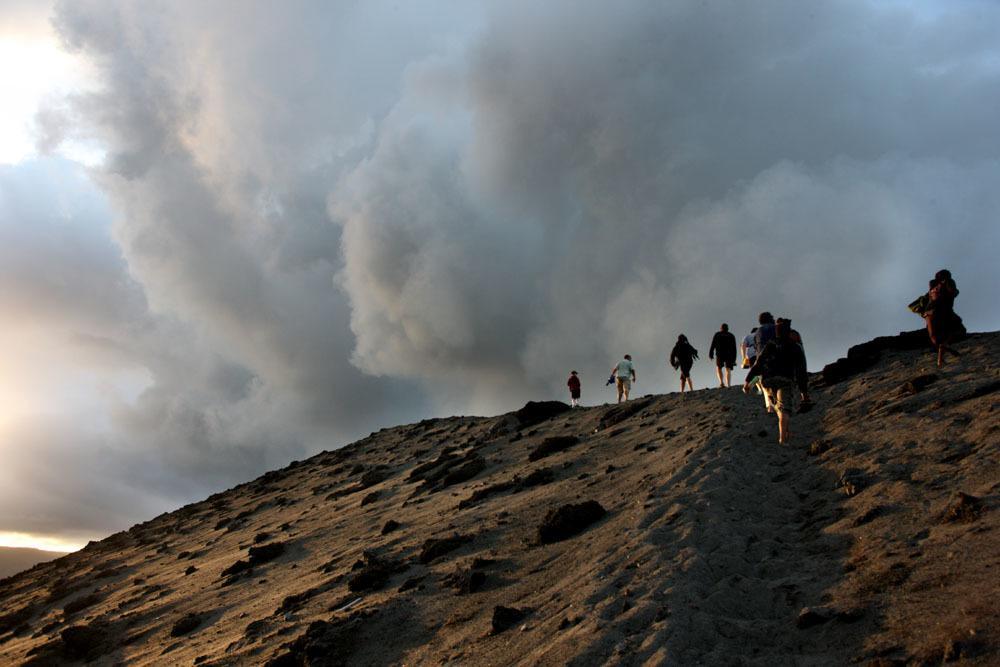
x: 624, y: 373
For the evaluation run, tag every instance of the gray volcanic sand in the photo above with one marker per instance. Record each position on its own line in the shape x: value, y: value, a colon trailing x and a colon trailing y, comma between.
x: 719, y: 546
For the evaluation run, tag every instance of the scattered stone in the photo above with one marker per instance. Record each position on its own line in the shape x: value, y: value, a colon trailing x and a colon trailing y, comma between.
x: 324, y: 643
x: 261, y: 537
x: 16, y: 620
x: 85, y: 642
x: 463, y: 472
x: 373, y: 477
x: 191, y: 569
x: 294, y: 602
x: 266, y: 553
x: 853, y: 481
x: 871, y: 515
x: 621, y: 412
x: 552, y: 445
x: 371, y: 498
x: 862, y: 357
x: 436, y: 547
x: 185, y: 624
x: 466, y: 580
x: 817, y: 447
x: 411, y: 583
x: 374, y: 572
x: 505, y: 618
x: 81, y: 603
x: 917, y: 384
x: 569, y: 520
x: 535, y: 412
x: 964, y: 509
x: 390, y: 526
x: 812, y: 616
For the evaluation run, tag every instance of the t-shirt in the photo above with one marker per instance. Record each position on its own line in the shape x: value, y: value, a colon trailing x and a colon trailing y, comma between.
x: 624, y: 369
x: 751, y: 350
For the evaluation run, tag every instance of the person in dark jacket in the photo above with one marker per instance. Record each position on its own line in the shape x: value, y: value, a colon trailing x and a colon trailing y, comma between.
x: 944, y: 326
x: 723, y: 349
x: 765, y: 331
x: 781, y: 367
x: 574, y: 388
x: 683, y: 356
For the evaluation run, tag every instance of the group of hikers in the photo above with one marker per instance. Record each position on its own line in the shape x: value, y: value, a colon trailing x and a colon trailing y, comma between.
x: 775, y: 359
x: 778, y: 371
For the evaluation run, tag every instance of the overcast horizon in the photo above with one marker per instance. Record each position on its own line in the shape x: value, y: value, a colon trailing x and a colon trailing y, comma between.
x: 235, y: 235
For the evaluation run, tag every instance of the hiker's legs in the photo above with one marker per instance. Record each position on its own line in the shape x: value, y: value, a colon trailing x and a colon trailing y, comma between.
x: 627, y: 384
x: 784, y: 419
x: 682, y: 384
x: 718, y: 374
x: 690, y: 384
x: 940, y: 355
x: 729, y: 376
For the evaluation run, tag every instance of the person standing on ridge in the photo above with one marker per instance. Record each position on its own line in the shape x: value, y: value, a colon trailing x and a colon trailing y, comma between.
x: 624, y: 374
x: 944, y: 326
x: 723, y: 349
x: 781, y: 366
x: 683, y: 356
x: 574, y: 388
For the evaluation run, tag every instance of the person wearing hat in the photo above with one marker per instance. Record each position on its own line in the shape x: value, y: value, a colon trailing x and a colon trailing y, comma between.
x: 574, y: 389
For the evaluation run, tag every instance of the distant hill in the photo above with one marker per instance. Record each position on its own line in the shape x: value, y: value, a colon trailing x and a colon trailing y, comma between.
x: 669, y: 530
x: 15, y: 559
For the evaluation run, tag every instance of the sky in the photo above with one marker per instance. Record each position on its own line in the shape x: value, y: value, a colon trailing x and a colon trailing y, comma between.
x: 236, y: 234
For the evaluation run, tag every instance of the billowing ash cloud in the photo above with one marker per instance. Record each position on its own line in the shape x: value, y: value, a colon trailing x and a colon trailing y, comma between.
x: 333, y: 216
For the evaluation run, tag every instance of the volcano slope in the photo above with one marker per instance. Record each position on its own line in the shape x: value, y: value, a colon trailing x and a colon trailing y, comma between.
x: 872, y: 539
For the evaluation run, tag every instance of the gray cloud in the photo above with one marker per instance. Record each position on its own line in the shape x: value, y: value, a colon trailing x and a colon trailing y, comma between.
x: 328, y: 217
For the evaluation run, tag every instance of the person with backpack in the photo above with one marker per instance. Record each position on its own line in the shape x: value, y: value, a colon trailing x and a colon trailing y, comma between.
x: 723, y: 348
x: 748, y: 350
x: 683, y: 356
x: 781, y: 367
x: 624, y: 374
x: 944, y: 326
x: 574, y: 389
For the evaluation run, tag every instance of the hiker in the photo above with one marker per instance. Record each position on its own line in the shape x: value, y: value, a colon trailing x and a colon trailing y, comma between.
x: 781, y: 366
x: 683, y: 356
x: 792, y: 333
x: 748, y: 350
x: 724, y: 349
x: 624, y: 374
x: 764, y: 334
x: 574, y: 389
x: 944, y: 326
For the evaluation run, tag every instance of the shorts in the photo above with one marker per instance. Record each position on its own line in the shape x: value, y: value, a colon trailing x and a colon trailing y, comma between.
x: 685, y: 371
x: 574, y: 393
x: 728, y: 363
x: 783, y: 392
x: 623, y: 384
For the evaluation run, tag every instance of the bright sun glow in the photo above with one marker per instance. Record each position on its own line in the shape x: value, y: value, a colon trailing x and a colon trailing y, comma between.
x: 28, y: 541
x: 34, y: 70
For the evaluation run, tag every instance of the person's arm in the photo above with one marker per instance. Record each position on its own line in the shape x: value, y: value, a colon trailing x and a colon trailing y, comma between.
x: 711, y: 349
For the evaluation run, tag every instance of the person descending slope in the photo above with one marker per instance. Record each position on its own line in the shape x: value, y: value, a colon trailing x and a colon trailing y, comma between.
x: 624, y: 374
x: 781, y: 367
x: 574, y: 388
x: 723, y: 348
x: 683, y: 356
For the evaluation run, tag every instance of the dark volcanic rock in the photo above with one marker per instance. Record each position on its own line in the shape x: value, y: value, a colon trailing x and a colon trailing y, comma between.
x: 965, y: 509
x: 853, y: 481
x: 535, y: 412
x: 506, y: 617
x: 437, y: 547
x: 373, y: 573
x: 569, y: 520
x: 324, y: 644
x: 185, y: 624
x: 85, y: 642
x: 621, y: 412
x: 463, y: 472
x: 538, y: 477
x: 370, y: 498
x: 862, y: 357
x: 812, y: 616
x: 81, y: 603
x: 266, y: 552
x: 466, y: 580
x: 390, y: 526
x: 373, y: 477
x: 917, y: 384
x: 552, y: 445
